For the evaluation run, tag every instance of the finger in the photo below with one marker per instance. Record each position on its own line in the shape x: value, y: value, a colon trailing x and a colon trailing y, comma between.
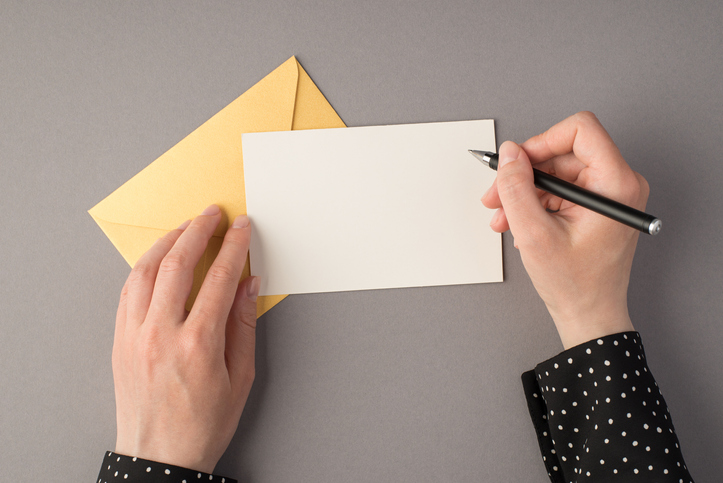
x: 491, y: 198
x: 499, y: 221
x: 214, y: 300
x: 241, y: 335
x: 566, y: 166
x: 524, y: 212
x: 143, y: 277
x: 582, y: 134
x: 175, y: 274
x: 551, y: 203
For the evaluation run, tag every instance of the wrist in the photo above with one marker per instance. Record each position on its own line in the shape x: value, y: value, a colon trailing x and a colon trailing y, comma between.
x: 191, y: 460
x: 582, y: 326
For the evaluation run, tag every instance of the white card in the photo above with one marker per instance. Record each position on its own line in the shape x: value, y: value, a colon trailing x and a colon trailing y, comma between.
x: 370, y: 207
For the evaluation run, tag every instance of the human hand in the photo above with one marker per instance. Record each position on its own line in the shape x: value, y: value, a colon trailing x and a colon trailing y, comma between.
x: 578, y: 261
x: 182, y: 379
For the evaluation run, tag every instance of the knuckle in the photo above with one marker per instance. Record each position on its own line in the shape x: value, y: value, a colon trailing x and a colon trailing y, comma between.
x: 124, y: 291
x: 512, y: 183
x: 195, y: 343
x: 222, y: 274
x: 202, y: 311
x: 586, y: 116
x: 201, y: 228
x: 166, y: 241
x: 151, y: 346
x: 247, y: 316
x: 175, y: 261
x: 191, y: 340
x: 207, y: 321
x: 123, y: 296
x: 239, y: 238
x: 167, y: 244
x: 140, y: 273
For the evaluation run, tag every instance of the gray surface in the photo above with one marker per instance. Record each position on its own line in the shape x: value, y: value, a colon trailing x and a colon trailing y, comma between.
x: 396, y: 385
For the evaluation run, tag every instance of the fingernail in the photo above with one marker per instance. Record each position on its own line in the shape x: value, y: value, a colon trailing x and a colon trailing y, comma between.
x: 252, y: 289
x: 495, y: 217
x: 211, y: 210
x: 486, y: 193
x: 241, y: 221
x: 509, y: 151
x: 184, y: 225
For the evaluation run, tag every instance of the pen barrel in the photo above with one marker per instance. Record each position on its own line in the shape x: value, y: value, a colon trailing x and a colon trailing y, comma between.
x: 594, y: 202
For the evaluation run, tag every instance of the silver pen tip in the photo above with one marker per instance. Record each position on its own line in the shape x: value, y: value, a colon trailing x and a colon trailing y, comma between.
x: 480, y: 155
x: 655, y: 226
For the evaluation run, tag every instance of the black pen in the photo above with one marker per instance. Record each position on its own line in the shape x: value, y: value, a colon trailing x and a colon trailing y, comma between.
x: 587, y: 199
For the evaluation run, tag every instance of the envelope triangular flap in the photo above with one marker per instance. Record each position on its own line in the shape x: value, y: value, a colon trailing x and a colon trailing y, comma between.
x: 129, y: 240
x: 313, y: 110
x: 205, y: 167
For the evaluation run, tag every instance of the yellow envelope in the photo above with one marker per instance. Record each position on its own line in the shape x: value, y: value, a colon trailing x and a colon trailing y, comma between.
x: 206, y: 167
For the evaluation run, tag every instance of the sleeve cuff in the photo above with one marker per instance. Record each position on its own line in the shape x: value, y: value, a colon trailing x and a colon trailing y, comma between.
x: 119, y: 468
x: 599, y: 415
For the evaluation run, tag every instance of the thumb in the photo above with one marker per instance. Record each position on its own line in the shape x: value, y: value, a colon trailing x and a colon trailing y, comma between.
x: 515, y: 184
x: 241, y: 335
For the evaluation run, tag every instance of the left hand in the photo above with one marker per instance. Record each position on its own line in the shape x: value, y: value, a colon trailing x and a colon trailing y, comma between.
x: 182, y: 379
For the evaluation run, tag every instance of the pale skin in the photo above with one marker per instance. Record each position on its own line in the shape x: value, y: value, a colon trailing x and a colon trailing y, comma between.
x: 182, y: 379
x: 579, y: 261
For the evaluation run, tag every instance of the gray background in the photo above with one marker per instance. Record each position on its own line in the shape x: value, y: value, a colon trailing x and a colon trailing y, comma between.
x: 392, y: 385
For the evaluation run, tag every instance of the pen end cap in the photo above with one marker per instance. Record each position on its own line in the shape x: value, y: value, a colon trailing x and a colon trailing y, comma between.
x: 655, y: 226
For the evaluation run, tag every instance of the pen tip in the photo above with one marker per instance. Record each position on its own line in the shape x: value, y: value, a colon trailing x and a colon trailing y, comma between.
x: 479, y: 155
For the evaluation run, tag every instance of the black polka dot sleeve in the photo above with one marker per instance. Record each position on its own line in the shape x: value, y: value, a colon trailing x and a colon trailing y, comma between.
x: 118, y: 468
x: 599, y: 415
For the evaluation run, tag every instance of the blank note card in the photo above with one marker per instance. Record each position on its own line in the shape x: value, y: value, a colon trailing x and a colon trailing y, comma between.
x: 370, y: 207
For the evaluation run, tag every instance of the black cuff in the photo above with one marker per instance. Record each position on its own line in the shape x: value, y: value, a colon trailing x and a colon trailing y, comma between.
x: 600, y: 416
x: 118, y: 468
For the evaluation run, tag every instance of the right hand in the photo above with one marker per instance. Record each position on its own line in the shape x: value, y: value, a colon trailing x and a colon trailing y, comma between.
x: 579, y: 261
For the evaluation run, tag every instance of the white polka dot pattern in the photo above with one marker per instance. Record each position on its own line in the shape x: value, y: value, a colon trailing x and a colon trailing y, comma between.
x: 622, y: 427
x: 128, y: 469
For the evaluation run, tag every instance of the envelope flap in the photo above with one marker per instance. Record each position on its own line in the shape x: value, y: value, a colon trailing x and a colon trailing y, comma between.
x: 312, y: 110
x: 205, y: 167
